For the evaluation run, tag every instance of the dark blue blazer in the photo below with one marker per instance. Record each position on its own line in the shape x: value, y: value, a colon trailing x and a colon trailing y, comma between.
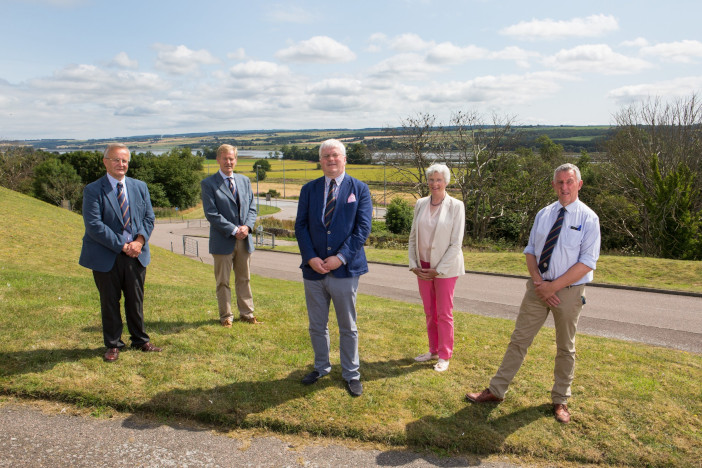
x: 103, y: 239
x: 224, y: 213
x: 348, y: 231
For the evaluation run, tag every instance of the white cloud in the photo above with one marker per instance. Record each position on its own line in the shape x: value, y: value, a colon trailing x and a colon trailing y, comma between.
x: 679, y: 87
x: 496, y: 90
x: 405, y: 67
x: 318, y: 49
x: 595, y: 58
x: 258, y: 69
x: 122, y: 60
x: 282, y: 13
x: 638, y: 42
x: 409, y: 42
x: 447, y: 52
x: 591, y: 26
x: 81, y: 80
x: 238, y: 54
x: 682, y: 51
x: 520, y: 56
x: 180, y: 60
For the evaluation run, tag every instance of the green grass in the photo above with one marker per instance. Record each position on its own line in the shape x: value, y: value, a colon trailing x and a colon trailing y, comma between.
x: 632, y: 404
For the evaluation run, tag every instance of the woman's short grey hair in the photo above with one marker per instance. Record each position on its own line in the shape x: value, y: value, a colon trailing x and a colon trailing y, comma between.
x: 567, y: 167
x: 331, y: 143
x: 441, y: 169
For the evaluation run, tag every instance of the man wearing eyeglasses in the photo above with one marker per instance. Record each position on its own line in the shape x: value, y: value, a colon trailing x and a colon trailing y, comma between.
x: 118, y: 221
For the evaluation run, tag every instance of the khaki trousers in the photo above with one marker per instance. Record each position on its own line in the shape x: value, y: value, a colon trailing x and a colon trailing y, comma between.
x: 532, y: 315
x: 240, y: 261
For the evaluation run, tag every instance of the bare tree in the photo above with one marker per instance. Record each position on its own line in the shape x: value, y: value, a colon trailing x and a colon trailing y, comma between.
x: 656, y: 142
x: 417, y: 140
x: 481, y: 168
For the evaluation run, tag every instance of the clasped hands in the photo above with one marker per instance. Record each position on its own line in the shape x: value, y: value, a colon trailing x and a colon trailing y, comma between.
x: 242, y: 232
x: 547, y: 292
x: 426, y: 274
x: 133, y: 248
x: 324, y: 266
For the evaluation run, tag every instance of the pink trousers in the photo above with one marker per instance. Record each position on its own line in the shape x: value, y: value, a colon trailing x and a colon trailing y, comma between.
x: 437, y: 296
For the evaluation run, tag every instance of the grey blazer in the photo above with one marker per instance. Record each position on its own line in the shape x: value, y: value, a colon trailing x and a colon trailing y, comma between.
x: 225, y: 213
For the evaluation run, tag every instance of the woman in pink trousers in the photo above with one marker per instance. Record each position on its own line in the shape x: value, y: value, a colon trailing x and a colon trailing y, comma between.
x: 436, y: 257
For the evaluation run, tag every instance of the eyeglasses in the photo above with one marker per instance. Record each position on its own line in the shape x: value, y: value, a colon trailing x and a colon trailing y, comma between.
x: 118, y: 161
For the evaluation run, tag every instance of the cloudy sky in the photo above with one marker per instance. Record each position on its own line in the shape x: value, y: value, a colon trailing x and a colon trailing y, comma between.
x: 100, y: 69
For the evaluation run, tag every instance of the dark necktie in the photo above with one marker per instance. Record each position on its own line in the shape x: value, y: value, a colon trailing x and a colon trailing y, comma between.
x: 551, y: 240
x: 331, y: 203
x: 124, y: 207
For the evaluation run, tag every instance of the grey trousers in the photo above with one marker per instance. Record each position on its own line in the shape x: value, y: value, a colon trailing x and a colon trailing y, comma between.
x: 318, y: 294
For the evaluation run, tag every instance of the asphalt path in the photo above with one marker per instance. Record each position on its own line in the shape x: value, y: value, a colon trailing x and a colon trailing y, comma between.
x: 662, y: 318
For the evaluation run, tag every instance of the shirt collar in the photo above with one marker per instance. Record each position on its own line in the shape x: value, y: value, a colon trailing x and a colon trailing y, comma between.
x: 327, y: 180
x: 224, y: 176
x: 114, y: 182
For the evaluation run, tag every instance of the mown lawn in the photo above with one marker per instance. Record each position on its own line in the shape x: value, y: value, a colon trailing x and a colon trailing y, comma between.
x: 633, y: 404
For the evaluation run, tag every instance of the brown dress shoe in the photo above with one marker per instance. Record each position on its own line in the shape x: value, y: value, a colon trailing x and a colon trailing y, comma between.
x: 483, y: 397
x: 227, y: 323
x: 111, y: 355
x: 148, y: 348
x: 562, y: 413
x: 251, y: 320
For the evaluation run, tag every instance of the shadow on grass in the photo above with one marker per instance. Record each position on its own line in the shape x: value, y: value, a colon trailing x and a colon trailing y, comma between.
x: 39, y: 360
x: 230, y: 406
x: 470, y: 430
x: 159, y: 327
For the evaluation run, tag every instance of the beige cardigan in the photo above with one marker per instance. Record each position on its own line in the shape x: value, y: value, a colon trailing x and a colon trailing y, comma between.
x: 446, y: 252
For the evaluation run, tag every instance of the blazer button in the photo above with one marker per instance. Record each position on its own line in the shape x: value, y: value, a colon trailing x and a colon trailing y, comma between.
x: 328, y: 232
x: 328, y: 248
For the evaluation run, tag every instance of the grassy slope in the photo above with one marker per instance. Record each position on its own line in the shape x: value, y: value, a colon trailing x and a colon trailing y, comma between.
x: 633, y: 404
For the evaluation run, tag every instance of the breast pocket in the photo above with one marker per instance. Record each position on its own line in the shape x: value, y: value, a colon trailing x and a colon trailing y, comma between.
x: 571, y: 236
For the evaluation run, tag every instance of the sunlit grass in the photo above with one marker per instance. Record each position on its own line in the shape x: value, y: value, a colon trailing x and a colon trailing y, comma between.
x: 632, y: 404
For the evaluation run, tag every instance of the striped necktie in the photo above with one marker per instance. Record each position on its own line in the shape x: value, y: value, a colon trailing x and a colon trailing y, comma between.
x: 551, y: 242
x: 124, y: 207
x: 232, y: 187
x: 331, y: 203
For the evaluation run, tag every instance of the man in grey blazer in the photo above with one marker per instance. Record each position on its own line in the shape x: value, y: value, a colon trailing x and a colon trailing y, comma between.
x: 118, y: 221
x: 229, y: 206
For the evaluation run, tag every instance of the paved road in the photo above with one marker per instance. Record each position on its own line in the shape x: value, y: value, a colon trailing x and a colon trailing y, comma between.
x: 33, y: 437
x: 669, y: 320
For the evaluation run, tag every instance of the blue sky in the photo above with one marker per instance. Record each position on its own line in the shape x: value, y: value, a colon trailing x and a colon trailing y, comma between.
x: 102, y: 69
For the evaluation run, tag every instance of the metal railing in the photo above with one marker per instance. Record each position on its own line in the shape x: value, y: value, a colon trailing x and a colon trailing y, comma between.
x: 261, y: 237
x: 191, y: 247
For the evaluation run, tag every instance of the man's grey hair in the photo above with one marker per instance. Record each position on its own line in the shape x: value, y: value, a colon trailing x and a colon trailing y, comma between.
x: 567, y: 167
x: 441, y: 169
x: 332, y: 143
x: 114, y: 146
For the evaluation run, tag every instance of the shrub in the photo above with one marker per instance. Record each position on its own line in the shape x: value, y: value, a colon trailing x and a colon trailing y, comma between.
x: 398, y: 217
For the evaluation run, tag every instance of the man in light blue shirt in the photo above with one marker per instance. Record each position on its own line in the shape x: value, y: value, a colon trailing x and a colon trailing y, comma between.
x: 562, y: 253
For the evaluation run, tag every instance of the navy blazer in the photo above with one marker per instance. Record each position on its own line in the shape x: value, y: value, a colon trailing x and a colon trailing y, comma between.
x: 103, y: 239
x: 224, y: 213
x: 348, y: 231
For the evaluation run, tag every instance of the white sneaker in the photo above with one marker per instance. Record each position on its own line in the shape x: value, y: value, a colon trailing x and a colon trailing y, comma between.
x: 426, y: 357
x: 441, y: 366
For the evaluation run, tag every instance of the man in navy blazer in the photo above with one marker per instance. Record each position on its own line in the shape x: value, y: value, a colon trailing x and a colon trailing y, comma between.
x: 229, y: 206
x: 334, y: 216
x: 118, y: 221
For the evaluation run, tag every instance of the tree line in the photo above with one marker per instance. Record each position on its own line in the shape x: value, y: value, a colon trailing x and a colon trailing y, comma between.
x: 173, y: 177
x: 647, y: 190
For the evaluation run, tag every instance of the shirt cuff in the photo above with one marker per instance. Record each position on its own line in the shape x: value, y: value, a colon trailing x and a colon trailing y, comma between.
x: 341, y: 257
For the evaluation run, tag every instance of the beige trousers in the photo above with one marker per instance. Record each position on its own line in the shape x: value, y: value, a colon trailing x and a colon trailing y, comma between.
x: 532, y: 315
x: 240, y: 261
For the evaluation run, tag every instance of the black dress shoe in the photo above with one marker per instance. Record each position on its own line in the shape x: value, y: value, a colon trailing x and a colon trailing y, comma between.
x: 354, y: 387
x: 311, y: 378
x: 111, y: 355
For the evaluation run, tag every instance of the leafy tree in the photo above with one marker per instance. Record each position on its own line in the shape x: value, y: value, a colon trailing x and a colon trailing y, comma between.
x: 88, y: 164
x: 358, y: 153
x: 656, y: 161
x: 551, y: 152
x: 173, y: 178
x: 398, y: 217
x: 56, y: 181
x: 17, y: 164
x: 261, y: 167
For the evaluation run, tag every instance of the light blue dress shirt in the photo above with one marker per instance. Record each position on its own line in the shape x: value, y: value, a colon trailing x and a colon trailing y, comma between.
x: 578, y: 242
x: 113, y: 182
